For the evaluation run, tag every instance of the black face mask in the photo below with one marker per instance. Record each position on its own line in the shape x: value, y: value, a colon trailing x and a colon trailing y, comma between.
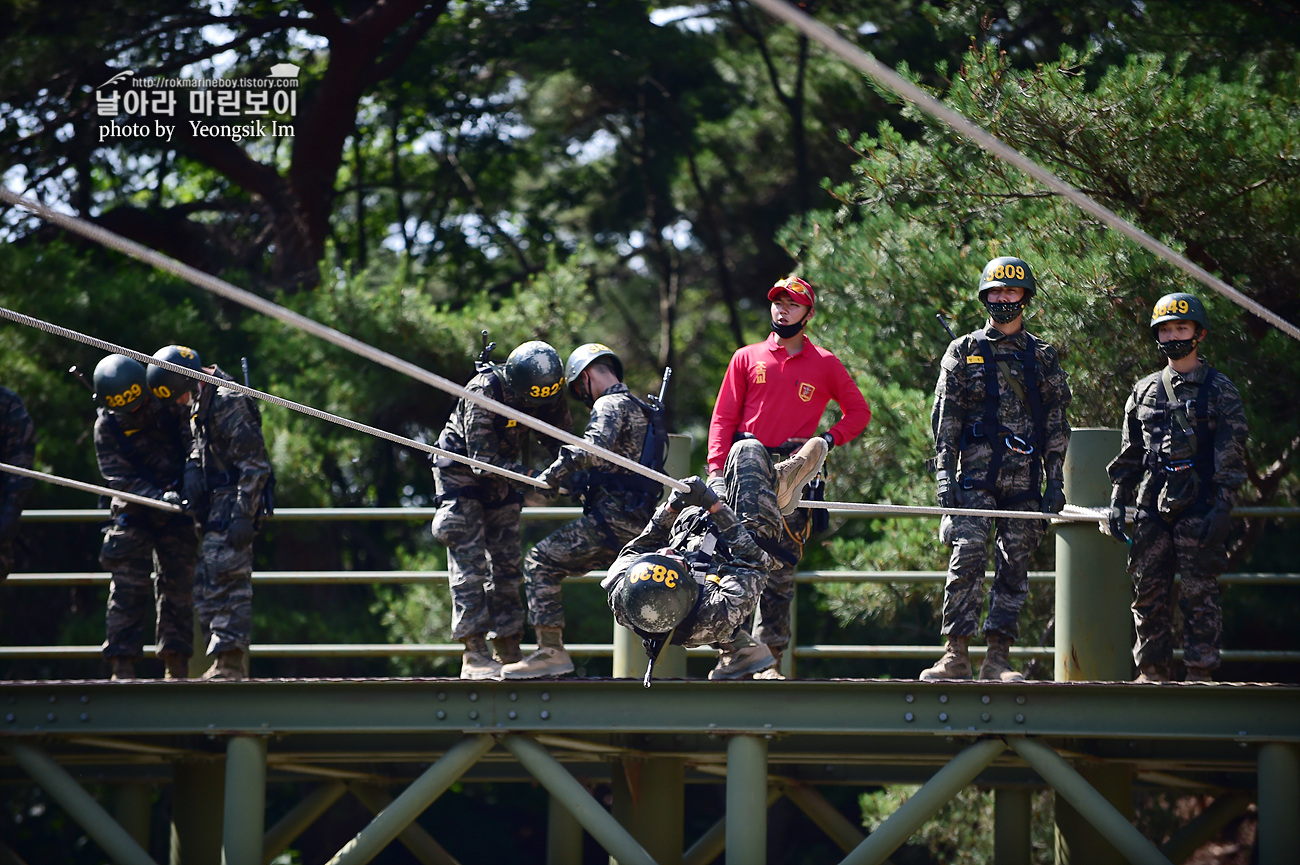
x: 1177, y: 349
x: 1005, y: 313
x: 785, y: 331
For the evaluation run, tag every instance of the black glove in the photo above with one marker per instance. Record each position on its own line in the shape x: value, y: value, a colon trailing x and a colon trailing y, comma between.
x: 1054, y: 497
x: 697, y: 494
x: 1115, y: 516
x: 172, y: 497
x: 240, y: 532
x: 829, y: 439
x: 1214, y: 531
x: 194, y: 486
x: 946, y: 489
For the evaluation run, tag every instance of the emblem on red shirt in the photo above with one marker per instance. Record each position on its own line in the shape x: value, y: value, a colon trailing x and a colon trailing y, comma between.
x: 806, y: 391
x: 760, y: 372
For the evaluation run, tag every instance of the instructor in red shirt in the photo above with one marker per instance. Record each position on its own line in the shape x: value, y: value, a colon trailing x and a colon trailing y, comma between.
x: 776, y: 391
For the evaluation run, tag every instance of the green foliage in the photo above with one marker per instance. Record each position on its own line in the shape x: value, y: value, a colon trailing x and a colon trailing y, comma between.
x: 961, y: 833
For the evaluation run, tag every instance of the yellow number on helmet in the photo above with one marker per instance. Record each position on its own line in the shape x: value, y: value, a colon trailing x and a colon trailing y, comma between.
x: 1020, y: 272
x: 1182, y: 306
x: 670, y: 581
x: 162, y: 391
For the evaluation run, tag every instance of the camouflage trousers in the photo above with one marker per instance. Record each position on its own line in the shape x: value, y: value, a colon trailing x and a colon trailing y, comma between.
x: 773, y: 626
x: 1014, y: 542
x: 136, y: 547
x: 1159, y: 550
x: 223, y: 583
x: 484, y: 552
x: 589, y: 542
x: 749, y: 485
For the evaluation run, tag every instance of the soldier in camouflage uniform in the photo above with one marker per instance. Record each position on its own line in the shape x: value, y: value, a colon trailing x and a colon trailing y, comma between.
x: 616, y: 503
x: 17, y: 448
x: 716, y: 542
x: 1000, y: 429
x: 228, y: 471
x: 141, y: 445
x: 478, y: 514
x: 1181, y: 460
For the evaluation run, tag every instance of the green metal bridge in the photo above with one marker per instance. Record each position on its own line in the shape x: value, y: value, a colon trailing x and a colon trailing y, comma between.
x: 396, y: 745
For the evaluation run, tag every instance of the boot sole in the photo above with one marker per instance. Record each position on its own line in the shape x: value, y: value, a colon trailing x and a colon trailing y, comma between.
x: 536, y: 674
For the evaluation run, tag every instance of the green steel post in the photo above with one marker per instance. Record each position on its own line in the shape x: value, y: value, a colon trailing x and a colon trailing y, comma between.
x: 563, y: 835
x: 1206, y: 826
x: 714, y: 840
x: 828, y: 818
x: 1094, y: 631
x: 131, y: 807
x: 1279, y: 804
x: 1093, y: 623
x: 1093, y: 806
x: 1012, y: 817
x: 925, y: 803
x: 629, y: 656
x: 413, y: 800
x: 421, y: 844
x: 245, y: 813
x: 79, y: 804
x: 198, y: 801
x: 591, y: 814
x: 746, y: 800
x: 650, y: 803
x: 300, y: 817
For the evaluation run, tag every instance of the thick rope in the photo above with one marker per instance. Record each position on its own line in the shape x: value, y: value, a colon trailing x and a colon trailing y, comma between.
x: 257, y: 394
x: 258, y: 304
x: 92, y: 488
x: 891, y: 80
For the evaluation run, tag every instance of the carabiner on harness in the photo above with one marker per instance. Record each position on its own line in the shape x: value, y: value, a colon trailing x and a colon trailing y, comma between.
x: 1172, y: 466
x: 1016, y: 444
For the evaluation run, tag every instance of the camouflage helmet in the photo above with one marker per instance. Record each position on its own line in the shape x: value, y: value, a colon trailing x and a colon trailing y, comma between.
x: 657, y: 593
x: 584, y: 356
x: 1179, y: 306
x: 1007, y: 271
x: 168, y: 385
x: 120, y: 383
x: 534, y: 373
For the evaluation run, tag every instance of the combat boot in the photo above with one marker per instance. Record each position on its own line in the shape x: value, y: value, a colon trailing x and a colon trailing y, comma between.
x: 123, y: 668
x: 955, y: 663
x: 550, y: 659
x: 774, y: 671
x: 175, y: 665
x: 229, y: 666
x: 997, y: 661
x: 793, y: 473
x: 506, y: 649
x: 1149, y: 673
x: 477, y: 662
x: 742, y: 658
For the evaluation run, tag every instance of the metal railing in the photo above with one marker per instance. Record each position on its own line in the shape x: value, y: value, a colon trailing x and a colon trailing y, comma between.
x: 594, y: 650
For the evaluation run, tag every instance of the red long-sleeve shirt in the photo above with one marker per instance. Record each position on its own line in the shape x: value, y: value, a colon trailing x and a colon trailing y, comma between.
x: 778, y: 396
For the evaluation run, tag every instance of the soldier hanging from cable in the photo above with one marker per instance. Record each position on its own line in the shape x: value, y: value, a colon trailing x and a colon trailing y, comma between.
x: 478, y: 515
x: 142, y: 444
x: 1000, y: 432
x: 616, y: 502
x: 229, y: 474
x: 1181, y: 460
x: 695, y: 572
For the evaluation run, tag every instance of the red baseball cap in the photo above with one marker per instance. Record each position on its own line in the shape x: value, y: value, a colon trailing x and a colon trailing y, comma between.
x: 799, y: 291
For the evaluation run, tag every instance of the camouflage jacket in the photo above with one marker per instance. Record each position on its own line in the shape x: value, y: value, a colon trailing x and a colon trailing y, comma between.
x: 1146, y: 426
x: 228, y: 443
x: 141, y: 452
x: 730, y: 584
x: 17, y: 448
x: 959, y: 397
x: 619, y: 424
x: 484, y: 435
